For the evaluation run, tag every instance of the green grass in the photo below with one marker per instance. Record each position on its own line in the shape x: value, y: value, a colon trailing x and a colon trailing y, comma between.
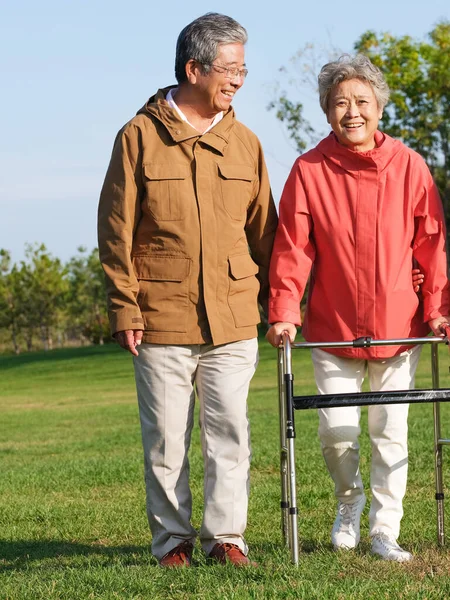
x: 72, y: 506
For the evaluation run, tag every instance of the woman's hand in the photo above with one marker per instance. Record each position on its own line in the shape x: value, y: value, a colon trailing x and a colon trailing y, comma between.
x: 438, y: 326
x: 276, y: 331
x: 417, y: 279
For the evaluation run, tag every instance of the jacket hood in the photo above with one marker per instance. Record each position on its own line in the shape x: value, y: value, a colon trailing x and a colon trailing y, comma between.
x: 350, y: 160
x: 157, y: 106
x: 180, y: 130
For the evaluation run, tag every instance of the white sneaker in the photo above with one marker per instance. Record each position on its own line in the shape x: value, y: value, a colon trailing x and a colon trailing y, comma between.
x: 385, y: 545
x: 345, y: 533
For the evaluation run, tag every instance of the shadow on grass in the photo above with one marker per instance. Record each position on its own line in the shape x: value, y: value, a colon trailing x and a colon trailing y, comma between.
x: 18, y: 555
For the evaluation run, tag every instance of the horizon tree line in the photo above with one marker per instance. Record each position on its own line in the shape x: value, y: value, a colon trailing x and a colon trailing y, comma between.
x: 46, y: 303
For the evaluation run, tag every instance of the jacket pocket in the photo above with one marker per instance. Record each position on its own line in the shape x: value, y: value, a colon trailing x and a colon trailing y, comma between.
x: 236, y: 183
x: 166, y: 186
x: 163, y: 291
x: 243, y: 290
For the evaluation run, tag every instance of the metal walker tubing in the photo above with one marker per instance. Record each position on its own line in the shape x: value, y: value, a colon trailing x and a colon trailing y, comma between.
x: 288, y: 403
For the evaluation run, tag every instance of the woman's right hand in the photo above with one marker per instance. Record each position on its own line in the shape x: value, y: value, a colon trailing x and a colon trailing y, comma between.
x: 276, y: 331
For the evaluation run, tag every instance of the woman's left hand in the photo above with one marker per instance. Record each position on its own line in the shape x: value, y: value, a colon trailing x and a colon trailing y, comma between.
x: 436, y: 324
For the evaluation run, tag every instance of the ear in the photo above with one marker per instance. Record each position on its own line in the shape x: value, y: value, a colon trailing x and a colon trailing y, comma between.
x: 380, y: 113
x: 192, y: 71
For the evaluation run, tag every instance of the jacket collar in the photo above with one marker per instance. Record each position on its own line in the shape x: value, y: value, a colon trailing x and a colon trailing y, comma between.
x: 352, y: 161
x: 180, y: 131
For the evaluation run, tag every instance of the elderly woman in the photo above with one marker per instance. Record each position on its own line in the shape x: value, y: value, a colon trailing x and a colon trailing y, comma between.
x: 357, y: 213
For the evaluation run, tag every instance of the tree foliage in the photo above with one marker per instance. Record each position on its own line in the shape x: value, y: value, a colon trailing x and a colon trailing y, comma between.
x: 299, y: 78
x: 43, y: 300
x: 419, y: 109
x: 9, y: 306
x: 418, y: 113
x: 86, y: 296
x: 43, y: 285
x: 291, y: 114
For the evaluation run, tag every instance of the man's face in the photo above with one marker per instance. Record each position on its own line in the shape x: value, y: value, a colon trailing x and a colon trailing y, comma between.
x: 215, y: 90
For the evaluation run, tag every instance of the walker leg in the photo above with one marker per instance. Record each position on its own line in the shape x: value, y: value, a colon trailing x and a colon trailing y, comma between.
x: 290, y: 436
x: 284, y: 504
x: 437, y: 449
x: 293, y: 511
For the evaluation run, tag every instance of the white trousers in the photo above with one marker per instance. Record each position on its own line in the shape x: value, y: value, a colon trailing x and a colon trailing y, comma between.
x: 339, y: 430
x: 165, y: 380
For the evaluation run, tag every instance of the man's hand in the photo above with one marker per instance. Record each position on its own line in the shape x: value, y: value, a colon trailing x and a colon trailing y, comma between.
x: 277, y: 329
x: 417, y: 279
x: 436, y: 324
x: 129, y: 339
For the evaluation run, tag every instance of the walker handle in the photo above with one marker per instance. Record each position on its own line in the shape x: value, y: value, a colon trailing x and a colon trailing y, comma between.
x: 445, y: 328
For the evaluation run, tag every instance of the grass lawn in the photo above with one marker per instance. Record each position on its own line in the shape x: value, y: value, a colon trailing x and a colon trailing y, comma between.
x: 72, y: 506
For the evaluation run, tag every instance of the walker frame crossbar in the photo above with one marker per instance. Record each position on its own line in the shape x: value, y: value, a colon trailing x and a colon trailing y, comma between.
x: 391, y: 397
x: 288, y: 403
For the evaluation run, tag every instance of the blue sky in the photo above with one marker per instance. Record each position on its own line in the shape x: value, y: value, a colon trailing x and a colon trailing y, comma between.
x: 73, y: 72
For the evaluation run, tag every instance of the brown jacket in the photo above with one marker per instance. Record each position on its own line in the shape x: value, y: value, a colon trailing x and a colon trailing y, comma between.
x: 186, y: 225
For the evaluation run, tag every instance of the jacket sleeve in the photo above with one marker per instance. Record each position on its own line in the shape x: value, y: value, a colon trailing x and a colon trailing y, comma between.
x: 261, y: 226
x: 293, y: 252
x: 118, y: 215
x: 429, y: 248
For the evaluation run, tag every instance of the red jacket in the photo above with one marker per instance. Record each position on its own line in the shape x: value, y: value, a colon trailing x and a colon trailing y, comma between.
x: 357, y: 221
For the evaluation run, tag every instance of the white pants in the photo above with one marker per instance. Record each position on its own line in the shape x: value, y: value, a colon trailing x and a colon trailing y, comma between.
x: 339, y: 429
x: 165, y: 378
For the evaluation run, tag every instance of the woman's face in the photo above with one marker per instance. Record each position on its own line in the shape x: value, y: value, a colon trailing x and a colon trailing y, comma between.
x: 353, y: 114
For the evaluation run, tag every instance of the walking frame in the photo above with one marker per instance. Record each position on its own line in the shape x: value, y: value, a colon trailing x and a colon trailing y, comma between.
x: 288, y: 403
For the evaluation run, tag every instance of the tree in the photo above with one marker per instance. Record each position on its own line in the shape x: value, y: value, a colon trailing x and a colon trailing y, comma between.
x: 291, y: 114
x: 43, y: 284
x: 40, y: 295
x: 419, y: 110
x: 9, y: 309
x: 86, y: 302
x: 299, y: 78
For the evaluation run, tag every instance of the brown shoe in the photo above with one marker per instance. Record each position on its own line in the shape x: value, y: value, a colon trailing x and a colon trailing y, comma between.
x: 180, y: 556
x: 230, y: 553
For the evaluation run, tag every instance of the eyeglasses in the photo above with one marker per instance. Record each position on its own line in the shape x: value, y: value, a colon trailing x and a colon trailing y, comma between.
x: 229, y: 72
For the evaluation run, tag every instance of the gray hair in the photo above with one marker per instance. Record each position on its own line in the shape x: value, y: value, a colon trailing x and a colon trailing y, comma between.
x: 200, y: 40
x: 352, y: 67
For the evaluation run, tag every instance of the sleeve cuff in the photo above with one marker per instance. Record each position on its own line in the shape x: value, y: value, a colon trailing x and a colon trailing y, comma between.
x: 126, y: 320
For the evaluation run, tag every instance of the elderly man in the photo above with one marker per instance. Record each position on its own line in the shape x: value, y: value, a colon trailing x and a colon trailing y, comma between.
x: 186, y: 226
